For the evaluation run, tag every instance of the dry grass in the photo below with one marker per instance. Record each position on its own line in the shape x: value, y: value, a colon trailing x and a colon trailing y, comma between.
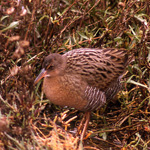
x: 29, y: 30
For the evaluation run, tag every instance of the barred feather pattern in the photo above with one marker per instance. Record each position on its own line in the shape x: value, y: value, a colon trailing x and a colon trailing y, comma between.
x: 95, y: 97
x: 113, y: 89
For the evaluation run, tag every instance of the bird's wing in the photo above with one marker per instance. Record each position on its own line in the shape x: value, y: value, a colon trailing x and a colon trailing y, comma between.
x: 98, y: 67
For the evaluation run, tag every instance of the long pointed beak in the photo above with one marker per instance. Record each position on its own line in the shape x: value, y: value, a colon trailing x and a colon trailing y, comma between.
x: 42, y: 74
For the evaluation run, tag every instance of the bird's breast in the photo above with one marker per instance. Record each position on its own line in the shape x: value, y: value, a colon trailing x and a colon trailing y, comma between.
x: 65, y: 91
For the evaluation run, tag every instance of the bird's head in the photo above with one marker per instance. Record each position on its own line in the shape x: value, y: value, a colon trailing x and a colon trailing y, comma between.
x: 53, y: 65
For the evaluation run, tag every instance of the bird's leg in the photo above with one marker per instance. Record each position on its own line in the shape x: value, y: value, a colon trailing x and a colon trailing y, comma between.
x: 85, y: 118
x: 81, y: 124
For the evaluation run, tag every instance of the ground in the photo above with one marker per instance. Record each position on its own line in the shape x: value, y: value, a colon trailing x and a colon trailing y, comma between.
x: 30, y: 30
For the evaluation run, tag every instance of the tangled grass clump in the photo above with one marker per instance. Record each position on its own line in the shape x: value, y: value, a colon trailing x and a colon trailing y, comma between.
x: 30, y: 30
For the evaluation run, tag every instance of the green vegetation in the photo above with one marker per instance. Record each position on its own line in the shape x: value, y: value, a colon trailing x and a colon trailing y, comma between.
x: 30, y: 30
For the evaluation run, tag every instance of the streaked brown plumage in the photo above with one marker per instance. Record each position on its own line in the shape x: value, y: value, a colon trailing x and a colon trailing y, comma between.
x: 83, y: 78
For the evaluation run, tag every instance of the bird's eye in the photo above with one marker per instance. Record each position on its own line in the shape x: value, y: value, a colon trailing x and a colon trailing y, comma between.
x: 50, y: 66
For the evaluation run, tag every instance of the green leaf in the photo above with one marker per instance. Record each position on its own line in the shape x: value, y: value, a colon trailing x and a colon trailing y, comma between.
x: 148, y: 58
x: 137, y: 83
x: 45, y: 16
x: 4, y: 17
x: 11, y: 26
x: 83, y: 35
x: 134, y: 33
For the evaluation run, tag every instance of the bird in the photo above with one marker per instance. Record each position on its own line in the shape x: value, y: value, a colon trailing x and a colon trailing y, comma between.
x: 85, y: 78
